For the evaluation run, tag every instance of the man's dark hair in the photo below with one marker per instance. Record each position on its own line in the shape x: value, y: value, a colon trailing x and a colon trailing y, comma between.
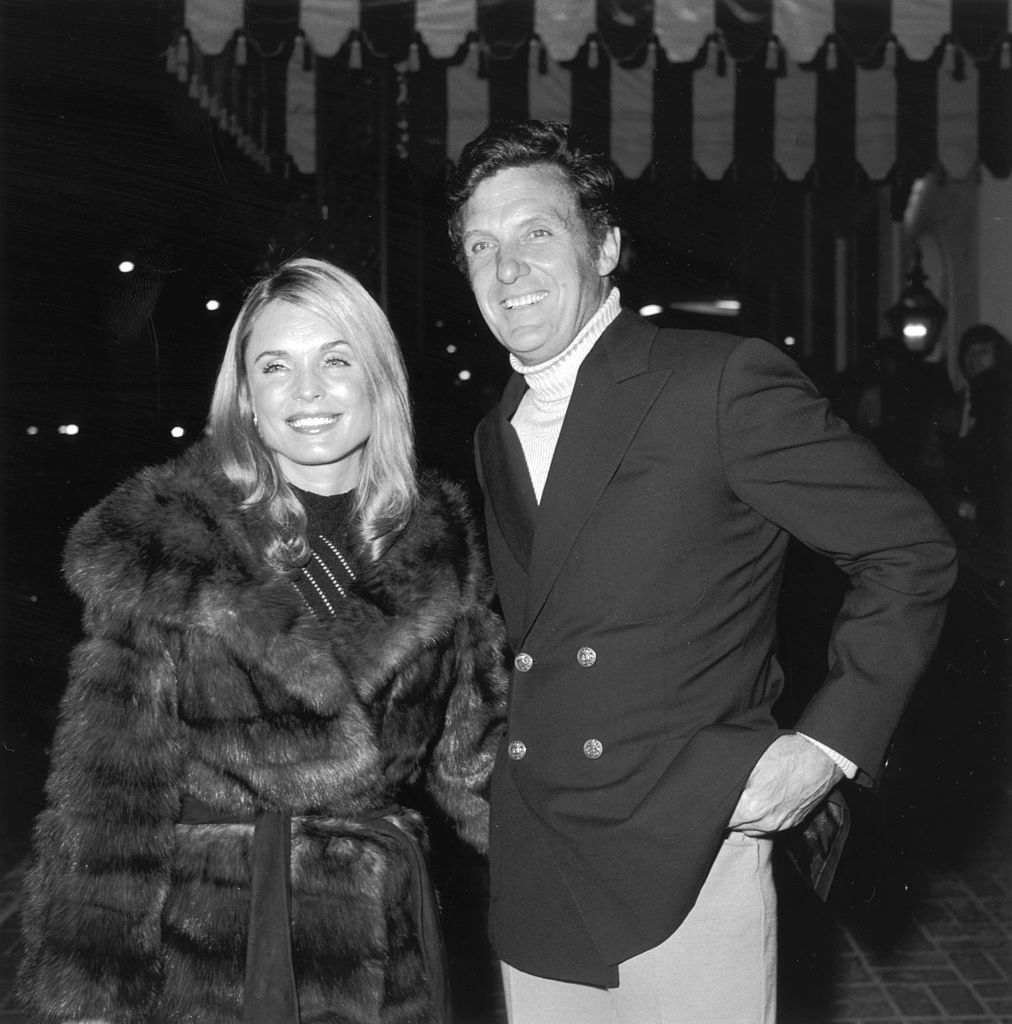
x: 531, y: 144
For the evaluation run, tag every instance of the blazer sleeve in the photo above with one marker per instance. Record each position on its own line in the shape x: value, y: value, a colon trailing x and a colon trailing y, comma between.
x: 795, y: 463
x: 93, y: 895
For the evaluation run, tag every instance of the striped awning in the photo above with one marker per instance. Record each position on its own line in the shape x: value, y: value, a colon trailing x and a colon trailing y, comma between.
x: 831, y: 89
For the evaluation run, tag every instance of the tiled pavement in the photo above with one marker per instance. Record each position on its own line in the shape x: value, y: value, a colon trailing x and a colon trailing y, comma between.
x: 945, y: 954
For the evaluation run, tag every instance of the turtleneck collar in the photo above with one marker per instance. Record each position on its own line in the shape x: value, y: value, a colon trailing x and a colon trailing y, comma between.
x: 553, y: 379
x: 326, y: 514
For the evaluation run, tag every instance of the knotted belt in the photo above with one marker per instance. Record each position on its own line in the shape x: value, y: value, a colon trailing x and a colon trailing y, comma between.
x: 270, y: 994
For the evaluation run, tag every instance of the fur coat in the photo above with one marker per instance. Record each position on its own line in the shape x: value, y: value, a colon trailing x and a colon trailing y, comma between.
x: 201, y: 672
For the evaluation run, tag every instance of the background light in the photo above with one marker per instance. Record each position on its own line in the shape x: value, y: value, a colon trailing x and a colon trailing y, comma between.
x: 790, y: 341
x: 464, y: 375
x: 651, y: 309
x: 177, y: 431
x: 32, y: 431
x: 709, y: 307
x: 68, y: 428
x: 212, y: 305
x: 451, y: 349
x: 126, y: 266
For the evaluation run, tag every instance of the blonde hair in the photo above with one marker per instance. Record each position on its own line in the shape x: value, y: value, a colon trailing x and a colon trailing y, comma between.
x: 387, y: 489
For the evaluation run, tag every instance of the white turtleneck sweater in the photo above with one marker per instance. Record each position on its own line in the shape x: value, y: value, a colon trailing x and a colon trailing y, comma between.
x: 539, y: 416
x: 538, y: 419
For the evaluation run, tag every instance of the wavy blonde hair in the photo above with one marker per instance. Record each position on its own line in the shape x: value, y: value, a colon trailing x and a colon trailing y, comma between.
x: 387, y: 489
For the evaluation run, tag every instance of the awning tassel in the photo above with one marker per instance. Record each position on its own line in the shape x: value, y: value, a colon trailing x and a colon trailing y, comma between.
x: 831, y: 55
x: 772, y: 55
x: 889, y: 57
x: 183, y: 58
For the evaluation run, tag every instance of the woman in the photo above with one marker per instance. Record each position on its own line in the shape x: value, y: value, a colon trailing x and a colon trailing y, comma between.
x: 285, y: 630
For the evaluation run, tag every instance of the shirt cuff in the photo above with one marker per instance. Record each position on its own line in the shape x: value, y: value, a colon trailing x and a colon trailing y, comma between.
x: 844, y: 764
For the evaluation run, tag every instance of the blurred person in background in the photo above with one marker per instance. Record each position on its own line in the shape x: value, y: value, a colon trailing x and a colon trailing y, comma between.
x: 909, y: 410
x: 984, y: 462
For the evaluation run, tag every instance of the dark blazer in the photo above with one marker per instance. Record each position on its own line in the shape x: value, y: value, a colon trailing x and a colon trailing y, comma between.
x: 640, y: 602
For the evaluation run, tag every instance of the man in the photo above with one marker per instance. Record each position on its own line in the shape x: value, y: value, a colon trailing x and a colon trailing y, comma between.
x: 641, y: 485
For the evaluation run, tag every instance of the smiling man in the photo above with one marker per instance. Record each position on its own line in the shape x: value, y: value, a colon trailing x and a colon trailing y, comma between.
x: 641, y: 486
x: 537, y: 273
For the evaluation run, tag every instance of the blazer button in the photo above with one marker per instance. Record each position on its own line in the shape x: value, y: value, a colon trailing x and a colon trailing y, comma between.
x: 586, y: 656
x: 517, y: 749
x: 523, y: 662
x: 593, y: 749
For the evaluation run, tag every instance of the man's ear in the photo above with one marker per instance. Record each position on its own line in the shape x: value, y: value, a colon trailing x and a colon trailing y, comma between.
x: 609, y: 251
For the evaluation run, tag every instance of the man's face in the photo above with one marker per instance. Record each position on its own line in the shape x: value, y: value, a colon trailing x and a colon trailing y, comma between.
x: 530, y: 261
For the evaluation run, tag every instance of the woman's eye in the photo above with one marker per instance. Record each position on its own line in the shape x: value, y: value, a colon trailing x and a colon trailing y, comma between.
x: 337, y: 361
x: 272, y: 367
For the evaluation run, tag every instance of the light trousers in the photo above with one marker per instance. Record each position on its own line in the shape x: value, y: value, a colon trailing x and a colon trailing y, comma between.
x: 719, y: 967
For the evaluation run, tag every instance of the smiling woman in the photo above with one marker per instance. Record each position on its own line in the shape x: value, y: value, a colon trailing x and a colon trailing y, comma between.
x: 310, y: 397
x: 286, y: 632
x: 312, y: 393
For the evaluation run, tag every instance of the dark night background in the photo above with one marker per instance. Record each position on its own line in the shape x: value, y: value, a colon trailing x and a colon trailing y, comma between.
x: 95, y: 168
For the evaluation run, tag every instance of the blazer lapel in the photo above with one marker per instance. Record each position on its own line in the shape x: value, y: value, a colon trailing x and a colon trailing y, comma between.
x: 613, y: 392
x: 505, y: 477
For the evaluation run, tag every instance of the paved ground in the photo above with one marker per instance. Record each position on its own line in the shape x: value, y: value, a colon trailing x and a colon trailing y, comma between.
x: 945, y: 954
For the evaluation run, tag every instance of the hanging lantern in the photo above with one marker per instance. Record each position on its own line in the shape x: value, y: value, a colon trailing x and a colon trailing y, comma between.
x: 917, y: 316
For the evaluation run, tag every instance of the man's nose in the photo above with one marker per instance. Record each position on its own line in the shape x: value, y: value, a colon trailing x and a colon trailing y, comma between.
x: 510, y: 265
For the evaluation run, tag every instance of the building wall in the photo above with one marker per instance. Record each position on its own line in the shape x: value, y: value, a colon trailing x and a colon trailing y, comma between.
x: 994, y: 241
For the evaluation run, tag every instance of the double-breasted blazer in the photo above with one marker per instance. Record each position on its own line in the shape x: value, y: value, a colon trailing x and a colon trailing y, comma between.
x: 640, y: 602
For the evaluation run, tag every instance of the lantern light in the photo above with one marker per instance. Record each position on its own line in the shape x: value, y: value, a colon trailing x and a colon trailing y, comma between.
x: 917, y: 316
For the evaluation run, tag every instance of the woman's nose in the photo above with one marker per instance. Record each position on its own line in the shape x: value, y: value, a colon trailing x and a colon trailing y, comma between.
x: 308, y: 384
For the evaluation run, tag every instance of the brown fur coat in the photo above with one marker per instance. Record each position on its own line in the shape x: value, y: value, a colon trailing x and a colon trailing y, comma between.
x: 202, y: 672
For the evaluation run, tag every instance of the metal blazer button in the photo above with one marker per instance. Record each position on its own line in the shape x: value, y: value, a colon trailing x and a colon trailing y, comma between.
x: 586, y: 656
x: 517, y: 749
x: 523, y: 662
x: 593, y: 749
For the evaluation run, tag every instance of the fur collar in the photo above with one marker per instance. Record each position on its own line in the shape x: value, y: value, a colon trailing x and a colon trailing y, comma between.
x: 170, y: 549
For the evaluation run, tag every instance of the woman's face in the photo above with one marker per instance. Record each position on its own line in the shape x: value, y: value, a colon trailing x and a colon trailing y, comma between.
x: 310, y: 398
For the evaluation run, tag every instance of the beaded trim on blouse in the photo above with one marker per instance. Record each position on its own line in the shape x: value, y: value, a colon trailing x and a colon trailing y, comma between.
x: 327, y: 577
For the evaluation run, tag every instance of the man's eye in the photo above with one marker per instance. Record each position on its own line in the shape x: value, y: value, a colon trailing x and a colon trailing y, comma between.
x: 541, y: 233
x: 477, y: 247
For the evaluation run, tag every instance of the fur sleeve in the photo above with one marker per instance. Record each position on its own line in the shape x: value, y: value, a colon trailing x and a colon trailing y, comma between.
x: 462, y: 761
x: 102, y: 847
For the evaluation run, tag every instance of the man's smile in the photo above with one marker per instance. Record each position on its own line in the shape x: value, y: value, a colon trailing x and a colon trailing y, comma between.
x: 519, y: 301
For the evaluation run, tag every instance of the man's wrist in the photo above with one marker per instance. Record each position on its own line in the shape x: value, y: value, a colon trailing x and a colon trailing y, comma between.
x: 845, y: 765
